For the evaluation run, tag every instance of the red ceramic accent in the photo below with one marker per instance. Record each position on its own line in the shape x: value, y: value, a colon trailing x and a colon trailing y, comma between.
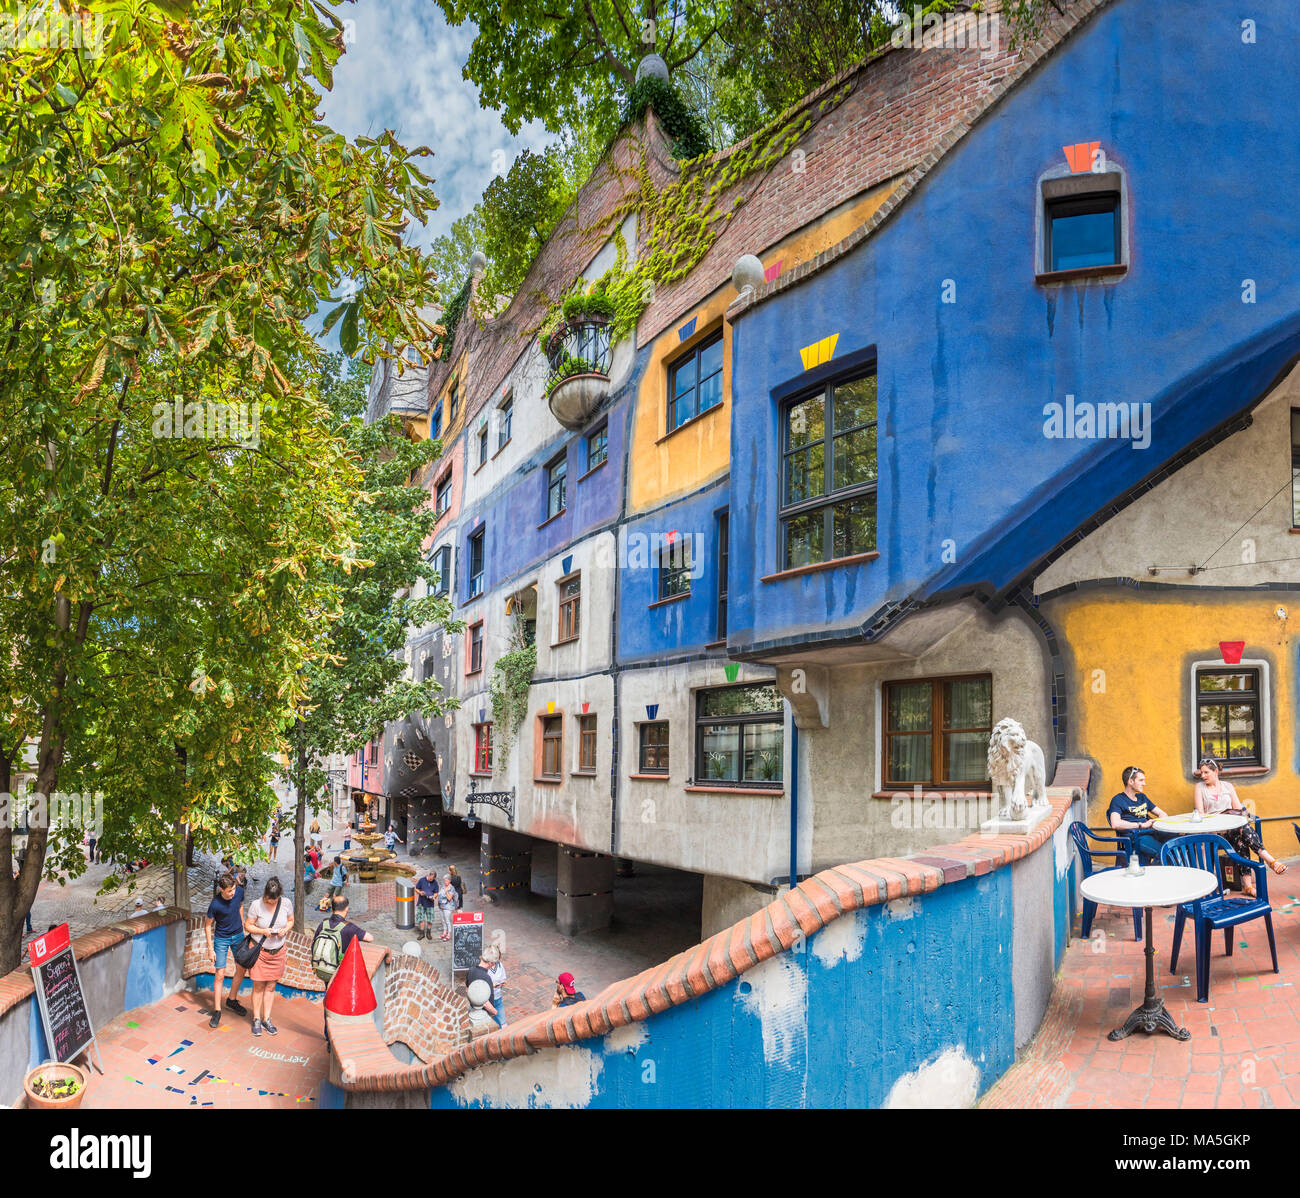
x: 350, y: 993
x: 1231, y: 651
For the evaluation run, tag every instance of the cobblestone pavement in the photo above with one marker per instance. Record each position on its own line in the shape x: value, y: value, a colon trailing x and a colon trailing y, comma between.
x: 1245, y: 1045
x: 657, y: 914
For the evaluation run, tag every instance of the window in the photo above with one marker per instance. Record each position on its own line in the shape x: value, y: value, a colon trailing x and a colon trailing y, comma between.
x: 828, y: 485
x: 453, y: 402
x: 1083, y: 230
x: 597, y: 447
x: 503, y: 430
x: 552, y: 745
x: 724, y: 537
x: 937, y: 731
x: 476, y: 563
x: 475, y: 648
x: 435, y: 423
x: 739, y: 736
x: 441, y: 561
x: 654, y: 748
x: 1295, y: 467
x: 1228, y: 716
x: 482, y: 445
x: 587, y: 744
x: 570, y: 589
x: 675, y: 568
x: 556, y: 474
x: 426, y: 668
x: 442, y: 500
x: 482, y: 748
x: 695, y: 382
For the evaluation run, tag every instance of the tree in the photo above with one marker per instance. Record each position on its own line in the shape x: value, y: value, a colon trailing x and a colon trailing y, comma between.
x: 173, y: 212
x: 355, y: 682
x: 569, y: 66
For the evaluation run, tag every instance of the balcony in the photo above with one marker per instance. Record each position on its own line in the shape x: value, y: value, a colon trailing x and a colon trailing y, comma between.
x: 579, y: 353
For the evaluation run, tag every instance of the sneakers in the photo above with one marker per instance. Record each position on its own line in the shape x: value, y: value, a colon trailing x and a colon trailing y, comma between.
x: 257, y: 1027
x: 233, y: 1004
x: 215, y: 1019
x: 269, y: 1027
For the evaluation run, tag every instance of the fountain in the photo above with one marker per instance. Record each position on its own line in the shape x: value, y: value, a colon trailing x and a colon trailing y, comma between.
x: 370, y: 860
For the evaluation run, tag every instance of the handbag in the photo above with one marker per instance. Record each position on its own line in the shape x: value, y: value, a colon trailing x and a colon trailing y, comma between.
x: 247, y: 953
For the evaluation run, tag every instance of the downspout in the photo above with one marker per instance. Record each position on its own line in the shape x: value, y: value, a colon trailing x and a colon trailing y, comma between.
x: 794, y: 803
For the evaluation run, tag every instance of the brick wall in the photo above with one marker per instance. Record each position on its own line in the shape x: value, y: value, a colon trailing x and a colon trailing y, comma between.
x: 422, y: 1012
x: 298, y: 973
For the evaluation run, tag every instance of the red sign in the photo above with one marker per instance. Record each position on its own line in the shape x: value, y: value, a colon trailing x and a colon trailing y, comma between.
x: 467, y: 917
x: 44, y: 947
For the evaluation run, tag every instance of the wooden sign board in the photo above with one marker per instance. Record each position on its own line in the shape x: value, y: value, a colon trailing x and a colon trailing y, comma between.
x: 62, y: 1002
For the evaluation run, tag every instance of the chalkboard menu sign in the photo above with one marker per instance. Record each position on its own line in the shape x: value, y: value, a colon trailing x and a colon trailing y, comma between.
x: 466, y: 939
x: 68, y: 1031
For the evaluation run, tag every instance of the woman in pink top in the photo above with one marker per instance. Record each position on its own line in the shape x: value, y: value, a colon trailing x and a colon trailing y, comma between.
x: 1214, y: 796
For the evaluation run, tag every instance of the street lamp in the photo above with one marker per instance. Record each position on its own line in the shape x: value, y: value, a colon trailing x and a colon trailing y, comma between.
x: 502, y: 800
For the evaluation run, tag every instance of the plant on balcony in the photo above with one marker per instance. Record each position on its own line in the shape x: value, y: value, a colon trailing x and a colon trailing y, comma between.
x: 511, y: 678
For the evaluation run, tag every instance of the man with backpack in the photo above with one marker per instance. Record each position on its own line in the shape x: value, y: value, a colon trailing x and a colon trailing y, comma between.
x: 331, y: 941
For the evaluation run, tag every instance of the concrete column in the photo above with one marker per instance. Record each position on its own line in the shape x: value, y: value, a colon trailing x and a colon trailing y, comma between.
x: 423, y: 825
x: 584, y: 891
x: 506, y: 864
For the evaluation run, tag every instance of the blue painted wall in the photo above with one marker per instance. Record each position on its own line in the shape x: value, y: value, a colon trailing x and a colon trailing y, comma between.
x: 931, y: 975
x: 1185, y: 108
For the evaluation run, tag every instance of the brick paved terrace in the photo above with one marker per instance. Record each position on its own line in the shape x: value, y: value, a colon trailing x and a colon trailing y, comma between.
x: 1245, y: 1046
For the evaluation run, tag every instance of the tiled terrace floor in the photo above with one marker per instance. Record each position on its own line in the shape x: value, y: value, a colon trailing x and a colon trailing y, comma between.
x: 166, y: 1056
x: 1245, y: 1045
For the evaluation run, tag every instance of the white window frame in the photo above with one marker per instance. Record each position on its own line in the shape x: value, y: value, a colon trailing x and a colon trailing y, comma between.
x: 1265, y: 707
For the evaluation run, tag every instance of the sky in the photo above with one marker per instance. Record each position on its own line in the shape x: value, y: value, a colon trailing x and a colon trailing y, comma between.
x: 402, y: 71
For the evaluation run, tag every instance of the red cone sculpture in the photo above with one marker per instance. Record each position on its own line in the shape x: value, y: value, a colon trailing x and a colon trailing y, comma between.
x: 350, y: 994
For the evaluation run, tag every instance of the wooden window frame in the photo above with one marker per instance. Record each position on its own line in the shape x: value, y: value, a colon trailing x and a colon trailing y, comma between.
x: 471, y: 645
x: 548, y: 724
x: 661, y: 748
x: 773, y: 716
x: 938, y: 735
x: 570, y: 609
x: 586, y: 740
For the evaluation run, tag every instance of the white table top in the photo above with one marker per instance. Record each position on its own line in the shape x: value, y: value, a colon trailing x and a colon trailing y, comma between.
x: 1182, y: 825
x: 1160, y: 886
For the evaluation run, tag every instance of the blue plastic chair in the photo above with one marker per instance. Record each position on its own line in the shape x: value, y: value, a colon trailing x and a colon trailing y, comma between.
x: 1081, y: 834
x: 1216, y: 909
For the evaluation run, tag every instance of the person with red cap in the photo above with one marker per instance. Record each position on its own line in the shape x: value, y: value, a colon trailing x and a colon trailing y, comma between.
x: 566, y: 994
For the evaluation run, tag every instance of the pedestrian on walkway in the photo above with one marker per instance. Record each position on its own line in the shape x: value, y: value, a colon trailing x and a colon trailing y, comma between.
x: 347, y: 837
x: 391, y: 839
x: 314, y: 833
x: 270, y: 917
x: 446, y: 905
x: 29, y: 910
x: 482, y: 973
x: 225, y: 930
x: 458, y: 882
x: 566, y: 993
x: 338, y: 879
x: 91, y: 842
x: 497, y: 975
x: 275, y: 836
x: 427, y: 902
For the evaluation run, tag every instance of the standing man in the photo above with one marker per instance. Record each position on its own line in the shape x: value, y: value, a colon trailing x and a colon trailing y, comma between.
x: 1133, y: 812
x: 482, y: 972
x: 225, y: 929
x: 391, y: 839
x: 334, y: 935
x: 338, y: 879
x: 426, y: 903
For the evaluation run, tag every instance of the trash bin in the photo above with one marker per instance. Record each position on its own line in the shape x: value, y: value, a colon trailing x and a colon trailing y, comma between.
x: 404, y: 912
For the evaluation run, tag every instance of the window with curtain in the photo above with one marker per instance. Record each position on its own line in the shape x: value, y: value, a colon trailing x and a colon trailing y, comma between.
x: 483, y: 748
x: 739, y: 736
x: 937, y: 731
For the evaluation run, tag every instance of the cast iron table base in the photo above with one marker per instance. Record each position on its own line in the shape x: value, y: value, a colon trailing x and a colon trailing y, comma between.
x: 1151, y: 1016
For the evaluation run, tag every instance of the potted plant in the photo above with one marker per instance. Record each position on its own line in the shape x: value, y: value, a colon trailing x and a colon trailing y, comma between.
x: 55, y: 1086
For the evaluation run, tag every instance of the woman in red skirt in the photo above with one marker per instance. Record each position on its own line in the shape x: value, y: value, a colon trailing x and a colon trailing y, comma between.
x: 271, y: 917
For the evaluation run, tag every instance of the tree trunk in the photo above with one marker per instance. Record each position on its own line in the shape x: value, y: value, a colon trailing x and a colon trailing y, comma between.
x: 299, y: 831
x: 180, y: 877
x: 11, y: 919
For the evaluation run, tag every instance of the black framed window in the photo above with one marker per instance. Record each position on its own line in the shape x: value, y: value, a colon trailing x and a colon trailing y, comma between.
x: 675, y: 568
x: 1228, y: 716
x: 435, y: 422
x: 442, y: 500
x: 828, y: 474
x: 1295, y: 467
x: 597, y: 446
x: 937, y: 731
x: 476, y: 648
x: 740, y: 736
x: 1083, y: 230
x: 482, y: 445
x: 653, y: 758
x: 426, y: 668
x: 441, y: 561
x: 556, y: 482
x: 724, y: 539
x: 453, y: 402
x: 507, y: 418
x: 476, y: 563
x: 695, y: 382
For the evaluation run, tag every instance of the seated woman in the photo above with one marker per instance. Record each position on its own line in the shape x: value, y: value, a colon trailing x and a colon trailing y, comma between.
x: 1215, y: 796
x: 1133, y: 812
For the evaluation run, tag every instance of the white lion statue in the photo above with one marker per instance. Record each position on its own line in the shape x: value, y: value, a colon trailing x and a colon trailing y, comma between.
x: 1017, y: 771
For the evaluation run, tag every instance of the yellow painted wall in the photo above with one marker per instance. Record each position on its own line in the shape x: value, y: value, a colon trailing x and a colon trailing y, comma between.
x: 667, y: 466
x: 1137, y: 711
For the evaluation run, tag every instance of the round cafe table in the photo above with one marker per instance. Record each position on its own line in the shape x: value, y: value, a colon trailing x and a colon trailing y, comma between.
x: 1157, y: 886
x: 1182, y: 825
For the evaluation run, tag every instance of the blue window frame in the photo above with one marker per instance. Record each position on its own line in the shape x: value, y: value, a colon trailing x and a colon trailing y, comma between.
x: 435, y: 422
